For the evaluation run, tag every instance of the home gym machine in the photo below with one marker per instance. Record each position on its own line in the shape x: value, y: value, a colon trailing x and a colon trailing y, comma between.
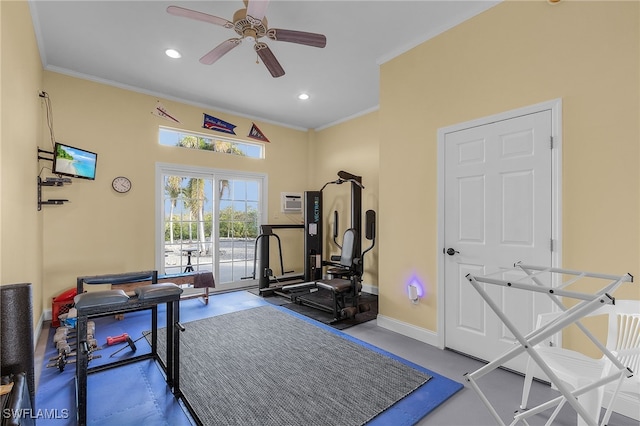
x: 339, y: 293
x: 268, y: 282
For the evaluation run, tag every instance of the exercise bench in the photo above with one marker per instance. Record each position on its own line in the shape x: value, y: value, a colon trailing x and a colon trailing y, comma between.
x: 201, y: 280
x: 113, y: 302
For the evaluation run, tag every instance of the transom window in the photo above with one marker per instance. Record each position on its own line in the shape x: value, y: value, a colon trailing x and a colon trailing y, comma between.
x: 192, y: 140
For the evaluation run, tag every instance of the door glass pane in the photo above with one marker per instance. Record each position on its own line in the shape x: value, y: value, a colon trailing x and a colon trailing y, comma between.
x: 210, y: 222
x: 238, y: 227
x: 188, y: 224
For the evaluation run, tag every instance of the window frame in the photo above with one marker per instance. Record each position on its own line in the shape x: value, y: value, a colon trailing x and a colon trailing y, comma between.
x: 213, y: 138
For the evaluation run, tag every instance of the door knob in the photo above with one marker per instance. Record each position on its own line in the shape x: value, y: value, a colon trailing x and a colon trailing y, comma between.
x: 451, y: 251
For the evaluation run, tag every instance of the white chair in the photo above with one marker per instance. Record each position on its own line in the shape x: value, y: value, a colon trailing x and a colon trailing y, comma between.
x: 576, y: 370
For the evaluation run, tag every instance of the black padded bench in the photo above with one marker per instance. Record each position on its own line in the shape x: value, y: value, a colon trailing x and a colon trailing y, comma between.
x: 130, y: 277
x: 111, y: 302
x: 129, y: 281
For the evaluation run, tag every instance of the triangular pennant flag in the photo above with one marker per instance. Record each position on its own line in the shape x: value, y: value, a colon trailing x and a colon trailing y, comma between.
x: 256, y: 133
x: 161, y: 112
x: 213, y: 123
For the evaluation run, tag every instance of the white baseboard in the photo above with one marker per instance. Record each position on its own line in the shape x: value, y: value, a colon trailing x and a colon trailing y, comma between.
x: 38, y: 330
x: 625, y: 404
x: 47, y: 314
x: 409, y: 330
x: 371, y: 289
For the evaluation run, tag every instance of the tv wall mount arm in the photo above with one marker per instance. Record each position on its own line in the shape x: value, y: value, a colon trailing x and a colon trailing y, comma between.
x: 50, y: 181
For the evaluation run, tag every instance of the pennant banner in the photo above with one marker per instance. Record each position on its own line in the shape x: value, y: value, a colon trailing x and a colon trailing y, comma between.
x: 256, y: 133
x: 218, y: 125
x: 161, y: 112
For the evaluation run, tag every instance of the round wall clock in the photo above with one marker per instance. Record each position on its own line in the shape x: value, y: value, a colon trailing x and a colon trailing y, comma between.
x: 121, y: 184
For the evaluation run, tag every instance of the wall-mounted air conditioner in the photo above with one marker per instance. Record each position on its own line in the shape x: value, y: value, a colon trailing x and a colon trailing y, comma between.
x: 291, y: 202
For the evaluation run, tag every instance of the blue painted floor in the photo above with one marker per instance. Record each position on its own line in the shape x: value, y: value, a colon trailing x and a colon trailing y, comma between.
x: 136, y: 394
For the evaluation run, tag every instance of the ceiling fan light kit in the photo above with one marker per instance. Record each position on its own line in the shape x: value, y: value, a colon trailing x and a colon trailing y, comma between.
x: 251, y: 24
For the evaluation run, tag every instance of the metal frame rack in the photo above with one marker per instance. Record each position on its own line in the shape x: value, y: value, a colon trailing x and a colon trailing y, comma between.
x: 586, y: 304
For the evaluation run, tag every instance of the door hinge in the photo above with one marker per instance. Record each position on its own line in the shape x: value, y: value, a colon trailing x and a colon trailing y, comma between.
x: 552, y: 244
x: 551, y: 142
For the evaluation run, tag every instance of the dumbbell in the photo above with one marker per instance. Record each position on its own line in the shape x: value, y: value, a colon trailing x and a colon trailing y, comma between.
x: 63, y: 336
x: 64, y: 332
x: 117, y: 339
x: 63, y: 347
x: 91, y: 325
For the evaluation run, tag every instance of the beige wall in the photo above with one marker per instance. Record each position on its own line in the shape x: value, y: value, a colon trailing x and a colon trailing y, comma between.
x: 100, y: 231
x: 514, y: 55
x: 352, y: 146
x: 21, y: 114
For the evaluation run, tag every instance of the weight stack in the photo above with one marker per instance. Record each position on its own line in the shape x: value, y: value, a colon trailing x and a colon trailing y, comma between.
x: 312, y: 235
x: 16, y: 333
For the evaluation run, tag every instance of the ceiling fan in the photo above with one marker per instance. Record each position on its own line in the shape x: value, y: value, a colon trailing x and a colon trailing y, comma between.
x: 251, y: 24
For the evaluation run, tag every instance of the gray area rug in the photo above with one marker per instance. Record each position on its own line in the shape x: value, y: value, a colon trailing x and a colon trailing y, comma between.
x: 262, y: 366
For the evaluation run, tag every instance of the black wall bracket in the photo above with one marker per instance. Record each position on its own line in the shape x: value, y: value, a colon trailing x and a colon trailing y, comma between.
x: 42, y: 151
x: 50, y: 182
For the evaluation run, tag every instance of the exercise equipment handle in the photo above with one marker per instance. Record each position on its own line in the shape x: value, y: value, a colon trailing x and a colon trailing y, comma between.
x: 335, y: 230
x: 370, y: 225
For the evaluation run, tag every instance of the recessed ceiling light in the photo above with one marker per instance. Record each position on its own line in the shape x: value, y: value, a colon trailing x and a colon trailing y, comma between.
x: 303, y: 96
x: 172, y: 53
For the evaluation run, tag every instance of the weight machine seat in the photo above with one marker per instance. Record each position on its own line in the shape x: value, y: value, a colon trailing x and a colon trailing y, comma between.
x: 336, y: 285
x: 345, y: 295
x: 344, y: 284
x: 345, y: 266
x: 340, y: 272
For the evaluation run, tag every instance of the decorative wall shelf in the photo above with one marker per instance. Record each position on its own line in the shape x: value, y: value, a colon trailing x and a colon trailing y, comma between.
x: 51, y: 182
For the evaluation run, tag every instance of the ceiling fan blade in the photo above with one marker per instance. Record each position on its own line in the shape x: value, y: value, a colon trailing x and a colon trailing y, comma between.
x: 299, y: 37
x: 220, y: 50
x: 269, y: 60
x: 257, y: 9
x: 199, y: 16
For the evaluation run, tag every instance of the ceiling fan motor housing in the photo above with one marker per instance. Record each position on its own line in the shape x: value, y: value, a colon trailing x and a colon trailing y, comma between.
x: 248, y: 27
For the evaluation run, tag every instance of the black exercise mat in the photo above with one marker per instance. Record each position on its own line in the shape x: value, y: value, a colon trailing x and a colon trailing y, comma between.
x: 324, y: 297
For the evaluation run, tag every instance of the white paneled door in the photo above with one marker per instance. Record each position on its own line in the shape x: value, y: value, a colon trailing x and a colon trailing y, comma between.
x: 498, y: 211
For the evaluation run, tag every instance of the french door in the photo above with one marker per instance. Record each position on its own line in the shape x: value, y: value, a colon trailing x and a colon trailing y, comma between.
x: 208, y: 220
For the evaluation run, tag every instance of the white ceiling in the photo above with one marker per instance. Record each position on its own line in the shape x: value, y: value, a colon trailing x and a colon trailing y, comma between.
x: 123, y: 42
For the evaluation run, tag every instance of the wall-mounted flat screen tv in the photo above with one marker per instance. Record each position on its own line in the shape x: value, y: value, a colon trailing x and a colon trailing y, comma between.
x: 74, y: 162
